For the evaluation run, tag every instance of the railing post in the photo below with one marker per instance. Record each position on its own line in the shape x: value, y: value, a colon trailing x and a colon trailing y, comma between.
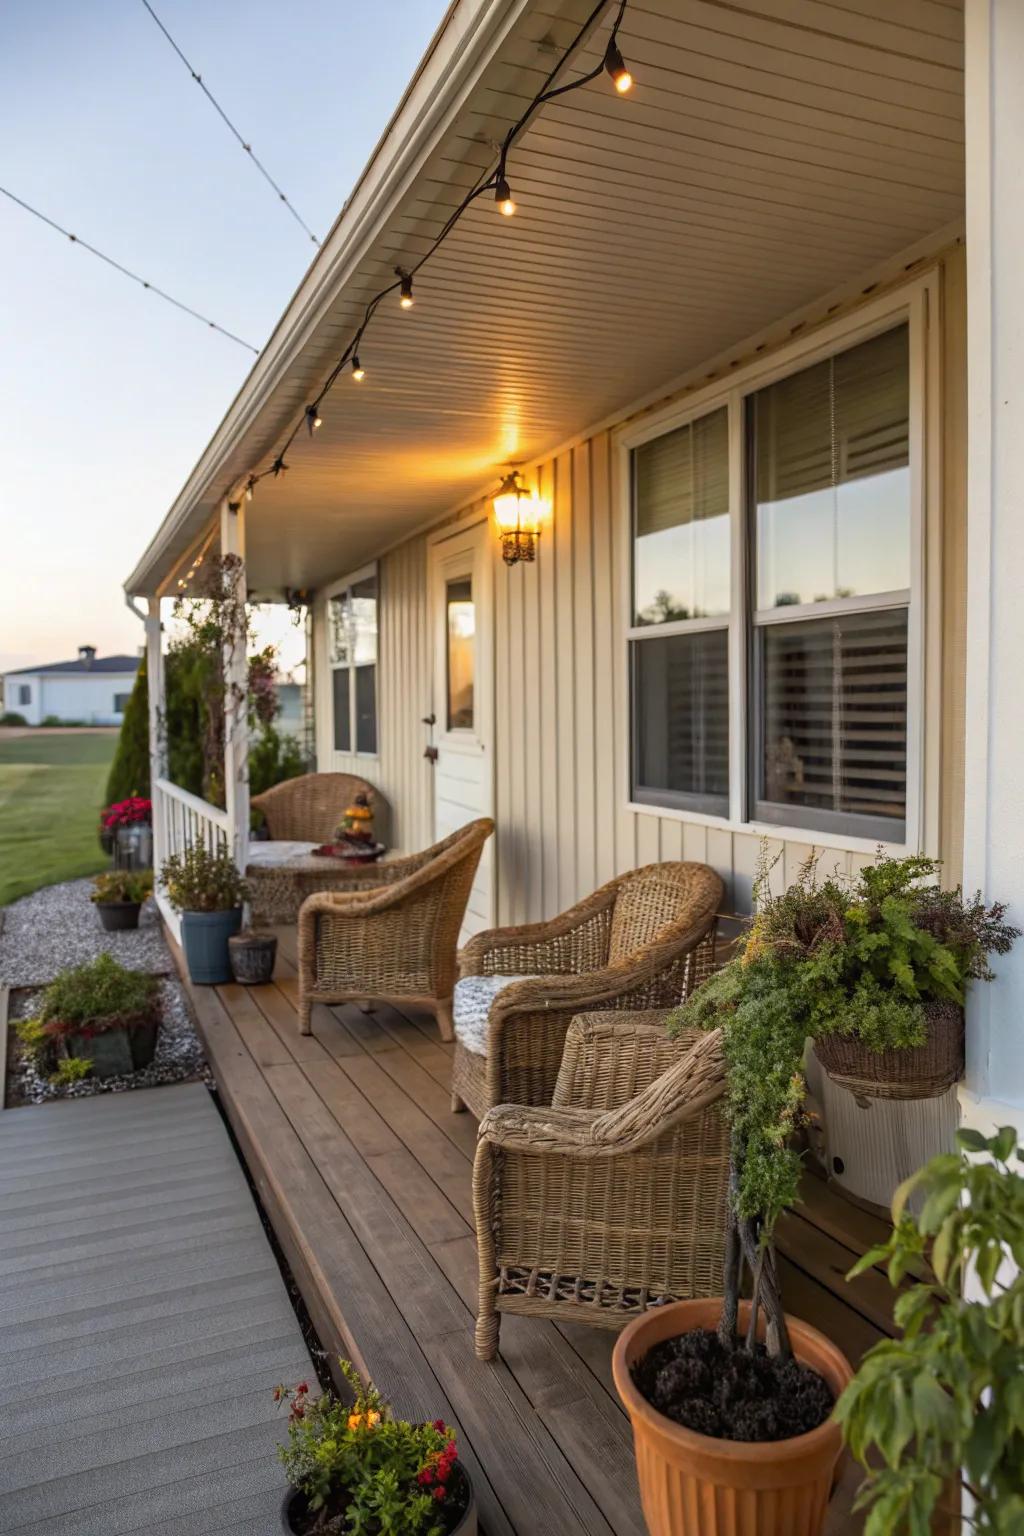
x: 156, y: 688
x: 236, y: 723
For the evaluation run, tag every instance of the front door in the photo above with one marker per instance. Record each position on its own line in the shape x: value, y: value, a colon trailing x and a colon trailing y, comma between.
x: 460, y: 602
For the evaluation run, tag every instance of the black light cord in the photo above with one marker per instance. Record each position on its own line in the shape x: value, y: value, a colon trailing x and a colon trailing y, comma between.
x: 126, y: 272
x: 223, y: 115
x: 486, y: 182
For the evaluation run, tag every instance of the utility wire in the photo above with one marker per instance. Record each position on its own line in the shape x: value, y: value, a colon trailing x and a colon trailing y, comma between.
x: 224, y: 117
x: 76, y: 240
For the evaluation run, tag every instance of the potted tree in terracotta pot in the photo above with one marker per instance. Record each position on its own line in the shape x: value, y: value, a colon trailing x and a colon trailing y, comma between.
x: 208, y: 891
x: 355, y: 1467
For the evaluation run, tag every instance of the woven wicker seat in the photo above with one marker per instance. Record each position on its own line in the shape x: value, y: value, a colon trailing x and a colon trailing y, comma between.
x: 395, y: 942
x: 308, y: 809
x: 644, y: 940
x: 612, y: 1197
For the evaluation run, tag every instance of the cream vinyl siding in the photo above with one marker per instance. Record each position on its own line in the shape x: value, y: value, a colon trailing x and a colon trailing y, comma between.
x: 561, y: 711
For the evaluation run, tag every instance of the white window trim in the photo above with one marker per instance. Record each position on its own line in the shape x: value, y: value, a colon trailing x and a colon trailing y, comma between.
x: 917, y: 304
x: 343, y: 582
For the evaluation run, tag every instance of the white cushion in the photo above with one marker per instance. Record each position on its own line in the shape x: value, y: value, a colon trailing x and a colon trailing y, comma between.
x: 471, y: 1006
x: 270, y: 853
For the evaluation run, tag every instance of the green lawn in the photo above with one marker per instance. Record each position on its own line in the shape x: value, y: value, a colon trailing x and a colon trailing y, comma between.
x: 51, y: 792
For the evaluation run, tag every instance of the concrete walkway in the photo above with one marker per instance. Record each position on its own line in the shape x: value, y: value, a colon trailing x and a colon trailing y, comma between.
x: 143, y: 1324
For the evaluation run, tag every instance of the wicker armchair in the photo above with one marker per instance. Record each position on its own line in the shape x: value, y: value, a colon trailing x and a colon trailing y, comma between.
x: 644, y: 940
x: 395, y: 942
x: 613, y: 1197
x: 308, y: 809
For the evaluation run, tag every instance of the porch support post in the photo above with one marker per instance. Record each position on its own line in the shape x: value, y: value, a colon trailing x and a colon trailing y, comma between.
x: 236, y: 725
x: 157, y: 697
x: 994, y: 801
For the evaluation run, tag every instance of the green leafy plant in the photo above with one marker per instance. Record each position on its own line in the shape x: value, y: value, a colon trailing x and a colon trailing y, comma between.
x: 90, y: 999
x: 364, y: 1471
x: 122, y: 885
x: 36, y: 1044
x: 71, y: 1069
x: 949, y: 1394
x: 200, y: 881
x: 824, y: 957
x: 12, y: 717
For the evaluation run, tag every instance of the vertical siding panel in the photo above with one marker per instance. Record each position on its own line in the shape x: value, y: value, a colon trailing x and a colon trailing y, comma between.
x: 695, y: 842
x: 605, y: 602
x: 516, y: 742
x: 505, y: 849
x: 671, y: 839
x: 719, y: 856
x: 583, y: 651
x: 648, y: 849
x: 795, y: 854
x: 531, y: 730
x: 548, y: 808
x: 565, y: 543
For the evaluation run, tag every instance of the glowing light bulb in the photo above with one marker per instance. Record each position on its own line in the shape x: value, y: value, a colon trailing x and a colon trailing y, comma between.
x: 358, y: 371
x: 503, y: 197
x: 314, y: 421
x: 405, y: 296
x: 616, y: 67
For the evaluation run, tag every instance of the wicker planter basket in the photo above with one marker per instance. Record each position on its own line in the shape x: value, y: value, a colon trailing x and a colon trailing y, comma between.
x: 920, y: 1072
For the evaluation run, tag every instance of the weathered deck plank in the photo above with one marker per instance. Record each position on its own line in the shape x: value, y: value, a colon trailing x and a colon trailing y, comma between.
x: 143, y: 1323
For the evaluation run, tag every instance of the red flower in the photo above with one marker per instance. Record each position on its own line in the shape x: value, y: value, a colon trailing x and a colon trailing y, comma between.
x: 440, y: 1426
x: 425, y: 1477
x: 451, y: 1449
x: 302, y: 1387
x: 439, y: 1494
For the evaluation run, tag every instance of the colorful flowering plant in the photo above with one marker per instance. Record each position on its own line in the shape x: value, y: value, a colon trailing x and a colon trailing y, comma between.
x: 133, y: 812
x: 364, y: 1472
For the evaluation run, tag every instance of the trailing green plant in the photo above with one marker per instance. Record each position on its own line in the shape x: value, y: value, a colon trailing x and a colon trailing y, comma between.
x: 93, y: 998
x: 71, y: 1069
x: 200, y: 881
x: 949, y: 1394
x: 116, y: 885
x: 856, y: 957
x: 36, y: 1044
x: 364, y: 1471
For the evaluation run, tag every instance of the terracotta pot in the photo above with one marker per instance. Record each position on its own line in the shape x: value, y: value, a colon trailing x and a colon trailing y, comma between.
x: 694, y: 1485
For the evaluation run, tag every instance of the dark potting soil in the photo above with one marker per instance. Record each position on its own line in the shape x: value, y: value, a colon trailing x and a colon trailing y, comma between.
x: 728, y: 1393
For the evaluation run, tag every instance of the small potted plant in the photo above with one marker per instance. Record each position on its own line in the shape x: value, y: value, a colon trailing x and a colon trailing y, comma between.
x: 944, y: 1405
x: 355, y: 1467
x: 118, y: 896
x: 252, y: 957
x: 126, y: 831
x: 103, y: 1014
x: 208, y: 891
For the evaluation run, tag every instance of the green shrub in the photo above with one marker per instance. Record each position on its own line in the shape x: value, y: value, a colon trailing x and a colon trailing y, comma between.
x: 36, y: 1044
x: 200, y: 881
x: 71, y: 1069
x: 123, y: 885
x: 90, y: 999
x: 52, y: 720
x: 948, y: 1395
x: 273, y: 757
x: 11, y: 717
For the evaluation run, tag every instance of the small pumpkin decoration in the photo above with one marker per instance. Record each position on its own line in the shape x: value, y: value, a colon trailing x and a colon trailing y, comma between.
x: 357, y: 821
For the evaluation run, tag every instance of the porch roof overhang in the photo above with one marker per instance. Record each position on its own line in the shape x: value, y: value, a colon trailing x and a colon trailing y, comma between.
x: 771, y: 153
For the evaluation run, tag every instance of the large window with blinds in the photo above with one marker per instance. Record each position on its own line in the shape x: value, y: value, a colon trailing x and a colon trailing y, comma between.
x: 830, y: 520
x: 352, y: 626
x: 679, y: 636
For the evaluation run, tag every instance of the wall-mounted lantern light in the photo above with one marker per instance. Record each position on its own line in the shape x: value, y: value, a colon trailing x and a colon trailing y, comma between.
x: 518, y: 512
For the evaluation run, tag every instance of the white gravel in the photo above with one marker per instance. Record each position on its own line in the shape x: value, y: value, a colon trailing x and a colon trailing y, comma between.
x: 58, y: 926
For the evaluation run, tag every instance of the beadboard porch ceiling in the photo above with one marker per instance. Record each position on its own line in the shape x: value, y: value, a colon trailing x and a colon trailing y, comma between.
x: 771, y: 151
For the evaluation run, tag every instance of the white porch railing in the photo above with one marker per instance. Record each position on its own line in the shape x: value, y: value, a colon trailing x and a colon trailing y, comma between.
x: 180, y: 821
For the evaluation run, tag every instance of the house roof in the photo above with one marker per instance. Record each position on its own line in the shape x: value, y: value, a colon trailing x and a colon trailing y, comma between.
x: 760, y: 164
x: 99, y: 664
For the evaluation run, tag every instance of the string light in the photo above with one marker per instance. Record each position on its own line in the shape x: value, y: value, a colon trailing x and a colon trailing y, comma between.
x: 616, y: 67
x: 496, y: 181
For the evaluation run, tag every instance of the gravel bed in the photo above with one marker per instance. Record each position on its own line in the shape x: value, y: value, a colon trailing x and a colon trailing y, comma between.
x: 58, y: 926
x: 179, y: 1055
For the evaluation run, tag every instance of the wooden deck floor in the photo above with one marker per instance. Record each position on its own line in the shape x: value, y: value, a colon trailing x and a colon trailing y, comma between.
x: 143, y: 1324
x: 366, y: 1175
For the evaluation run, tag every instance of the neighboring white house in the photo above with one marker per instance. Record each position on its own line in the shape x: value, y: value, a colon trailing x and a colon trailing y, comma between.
x: 91, y: 690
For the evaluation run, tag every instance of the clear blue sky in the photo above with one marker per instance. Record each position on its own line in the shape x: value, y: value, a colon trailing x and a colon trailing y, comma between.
x: 108, y: 396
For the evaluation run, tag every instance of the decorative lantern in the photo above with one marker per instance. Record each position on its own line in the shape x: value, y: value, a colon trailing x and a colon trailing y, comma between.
x: 518, y: 513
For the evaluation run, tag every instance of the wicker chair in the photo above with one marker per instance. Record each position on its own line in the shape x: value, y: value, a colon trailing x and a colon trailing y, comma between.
x: 613, y: 1197
x: 397, y: 941
x: 644, y: 940
x: 309, y: 808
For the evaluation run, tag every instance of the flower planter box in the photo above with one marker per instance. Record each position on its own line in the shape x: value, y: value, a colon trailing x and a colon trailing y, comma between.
x: 294, y: 1516
x: 118, y: 916
x: 117, y: 1052
x: 204, y: 938
x: 698, y: 1485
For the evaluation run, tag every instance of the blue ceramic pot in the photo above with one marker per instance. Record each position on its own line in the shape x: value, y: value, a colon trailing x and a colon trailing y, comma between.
x: 204, y: 938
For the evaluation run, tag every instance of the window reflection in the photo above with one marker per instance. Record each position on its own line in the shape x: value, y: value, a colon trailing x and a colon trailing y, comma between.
x: 681, y: 526
x: 461, y: 633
